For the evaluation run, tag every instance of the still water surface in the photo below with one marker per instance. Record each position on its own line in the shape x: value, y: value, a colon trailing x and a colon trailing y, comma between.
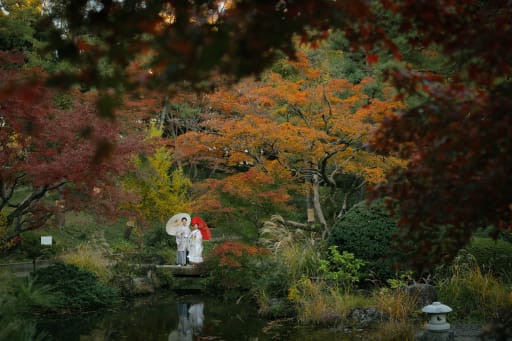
x: 185, y: 317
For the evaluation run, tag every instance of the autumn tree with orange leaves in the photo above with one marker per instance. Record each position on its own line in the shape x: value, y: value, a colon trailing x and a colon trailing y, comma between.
x: 303, y: 134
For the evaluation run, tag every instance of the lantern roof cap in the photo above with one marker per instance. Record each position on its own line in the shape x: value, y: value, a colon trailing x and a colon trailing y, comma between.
x: 436, y: 308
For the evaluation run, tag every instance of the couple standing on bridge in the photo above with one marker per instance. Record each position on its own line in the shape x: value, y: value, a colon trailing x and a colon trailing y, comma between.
x: 190, y: 241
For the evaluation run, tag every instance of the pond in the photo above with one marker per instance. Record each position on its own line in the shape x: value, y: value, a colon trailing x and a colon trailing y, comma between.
x: 184, y: 317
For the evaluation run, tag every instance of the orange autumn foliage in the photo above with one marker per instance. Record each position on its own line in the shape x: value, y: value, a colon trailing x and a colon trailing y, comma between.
x: 229, y: 253
x: 265, y: 134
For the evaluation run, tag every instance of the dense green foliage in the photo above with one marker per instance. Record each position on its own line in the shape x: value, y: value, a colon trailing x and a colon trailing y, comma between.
x: 367, y: 232
x: 76, y: 289
x: 20, y: 300
x: 493, y: 255
x: 342, y: 269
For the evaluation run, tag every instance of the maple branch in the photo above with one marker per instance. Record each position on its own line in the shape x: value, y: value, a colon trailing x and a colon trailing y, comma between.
x: 6, y: 195
x: 22, y: 209
x: 57, y: 185
x: 36, y: 194
x: 329, y: 116
x: 33, y: 224
x: 302, y: 226
x: 351, y: 189
x: 323, y: 168
x: 330, y: 177
x: 296, y: 109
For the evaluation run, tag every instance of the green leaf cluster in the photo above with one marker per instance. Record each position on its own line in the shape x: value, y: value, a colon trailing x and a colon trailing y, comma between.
x: 343, y: 269
x: 17, y: 24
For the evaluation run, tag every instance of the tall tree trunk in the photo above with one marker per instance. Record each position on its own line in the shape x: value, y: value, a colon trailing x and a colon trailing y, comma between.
x: 163, y: 113
x: 310, y: 205
x: 318, y: 206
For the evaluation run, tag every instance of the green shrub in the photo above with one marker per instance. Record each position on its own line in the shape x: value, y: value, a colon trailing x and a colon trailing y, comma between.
x: 342, y: 269
x: 270, y: 288
x: 493, y: 255
x: 18, y: 329
x: 22, y: 296
x: 490, y: 231
x: 273, y: 278
x: 367, y: 232
x: 76, y: 289
x: 123, y: 247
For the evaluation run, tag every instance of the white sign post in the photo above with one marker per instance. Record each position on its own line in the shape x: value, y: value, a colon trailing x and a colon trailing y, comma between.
x: 46, y: 240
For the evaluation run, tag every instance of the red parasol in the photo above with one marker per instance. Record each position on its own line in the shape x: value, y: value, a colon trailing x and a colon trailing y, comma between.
x: 203, y: 227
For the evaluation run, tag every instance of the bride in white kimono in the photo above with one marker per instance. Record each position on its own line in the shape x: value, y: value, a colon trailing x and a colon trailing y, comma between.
x: 195, y: 245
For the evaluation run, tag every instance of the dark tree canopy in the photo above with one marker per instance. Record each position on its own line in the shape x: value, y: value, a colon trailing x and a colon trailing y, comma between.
x: 457, y: 139
x: 192, y: 40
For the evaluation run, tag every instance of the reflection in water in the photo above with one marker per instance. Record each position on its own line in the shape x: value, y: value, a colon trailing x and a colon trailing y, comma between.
x: 162, y: 317
x: 169, y: 317
x: 190, y: 322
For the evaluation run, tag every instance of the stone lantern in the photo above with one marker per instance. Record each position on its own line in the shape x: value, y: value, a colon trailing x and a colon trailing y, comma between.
x: 437, y: 317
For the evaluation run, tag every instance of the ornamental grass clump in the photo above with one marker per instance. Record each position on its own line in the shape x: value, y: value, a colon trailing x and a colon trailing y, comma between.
x: 321, y: 304
x: 473, y: 295
x: 396, y: 304
x: 292, y: 247
x: 86, y: 257
x: 301, y: 259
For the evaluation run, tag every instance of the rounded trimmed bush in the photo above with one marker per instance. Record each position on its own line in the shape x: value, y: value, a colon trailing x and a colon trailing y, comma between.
x: 367, y: 232
x: 76, y: 289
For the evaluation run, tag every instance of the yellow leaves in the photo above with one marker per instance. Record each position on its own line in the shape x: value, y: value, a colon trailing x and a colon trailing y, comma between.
x: 160, y: 194
x: 373, y: 175
x: 371, y: 167
x: 154, y: 132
